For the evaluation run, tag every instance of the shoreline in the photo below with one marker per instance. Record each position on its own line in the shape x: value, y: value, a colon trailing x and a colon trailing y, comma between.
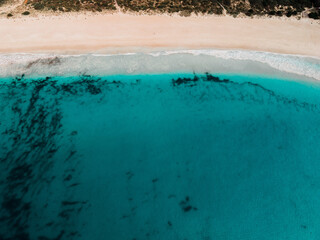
x: 154, y: 62
x: 124, y: 33
x: 120, y: 51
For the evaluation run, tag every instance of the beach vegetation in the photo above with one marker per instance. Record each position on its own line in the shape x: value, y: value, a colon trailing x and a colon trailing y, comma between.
x: 38, y: 6
x: 72, y: 5
x: 2, y: 2
x: 184, y: 7
x: 26, y: 13
x: 289, y: 13
x: 249, y: 12
x: 185, y: 13
x: 313, y: 15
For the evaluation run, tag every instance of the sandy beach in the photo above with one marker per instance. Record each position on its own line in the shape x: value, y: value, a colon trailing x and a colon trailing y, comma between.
x: 81, y: 33
x: 133, y: 126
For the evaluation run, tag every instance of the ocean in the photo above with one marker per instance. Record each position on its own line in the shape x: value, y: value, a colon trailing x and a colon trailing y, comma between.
x: 201, y: 144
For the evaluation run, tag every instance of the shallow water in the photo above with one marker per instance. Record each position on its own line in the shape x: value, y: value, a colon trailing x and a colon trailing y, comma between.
x: 167, y: 156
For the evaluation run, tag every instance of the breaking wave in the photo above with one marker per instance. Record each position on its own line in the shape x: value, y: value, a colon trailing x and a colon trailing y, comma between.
x: 220, y: 61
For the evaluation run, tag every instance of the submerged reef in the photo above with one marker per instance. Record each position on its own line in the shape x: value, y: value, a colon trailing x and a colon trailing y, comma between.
x: 45, y: 186
x: 245, y: 95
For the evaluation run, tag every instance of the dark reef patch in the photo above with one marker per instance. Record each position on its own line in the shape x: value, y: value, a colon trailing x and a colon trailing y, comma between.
x: 37, y: 152
x: 243, y: 91
x: 29, y: 145
x: 186, y: 206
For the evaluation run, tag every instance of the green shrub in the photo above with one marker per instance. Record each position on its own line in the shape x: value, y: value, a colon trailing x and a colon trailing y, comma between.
x: 38, y: 6
x: 194, y: 6
x: 313, y: 15
x: 289, y: 14
x: 249, y: 13
x: 2, y: 2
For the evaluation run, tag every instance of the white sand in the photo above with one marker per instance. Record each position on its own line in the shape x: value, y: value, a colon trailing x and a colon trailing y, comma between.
x: 81, y: 33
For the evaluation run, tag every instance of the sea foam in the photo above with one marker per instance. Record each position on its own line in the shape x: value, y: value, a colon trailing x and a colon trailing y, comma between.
x: 200, y: 61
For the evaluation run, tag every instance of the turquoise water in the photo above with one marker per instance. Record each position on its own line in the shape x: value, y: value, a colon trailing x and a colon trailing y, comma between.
x: 167, y: 156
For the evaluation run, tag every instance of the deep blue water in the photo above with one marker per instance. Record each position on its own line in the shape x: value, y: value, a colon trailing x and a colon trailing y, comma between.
x: 171, y: 156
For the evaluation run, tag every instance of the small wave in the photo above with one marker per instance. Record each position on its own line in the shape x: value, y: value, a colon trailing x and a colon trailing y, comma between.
x: 302, y: 65
x: 12, y: 64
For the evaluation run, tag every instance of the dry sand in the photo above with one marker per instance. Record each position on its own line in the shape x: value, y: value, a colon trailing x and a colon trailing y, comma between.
x: 81, y: 33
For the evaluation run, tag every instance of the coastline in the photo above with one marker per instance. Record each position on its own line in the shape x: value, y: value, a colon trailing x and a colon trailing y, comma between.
x: 275, y: 65
x: 125, y: 33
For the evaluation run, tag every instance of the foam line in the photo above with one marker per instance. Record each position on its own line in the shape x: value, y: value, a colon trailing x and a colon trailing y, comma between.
x: 158, y: 61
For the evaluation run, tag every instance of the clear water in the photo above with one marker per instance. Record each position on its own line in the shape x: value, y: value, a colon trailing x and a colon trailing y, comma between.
x: 157, y: 157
